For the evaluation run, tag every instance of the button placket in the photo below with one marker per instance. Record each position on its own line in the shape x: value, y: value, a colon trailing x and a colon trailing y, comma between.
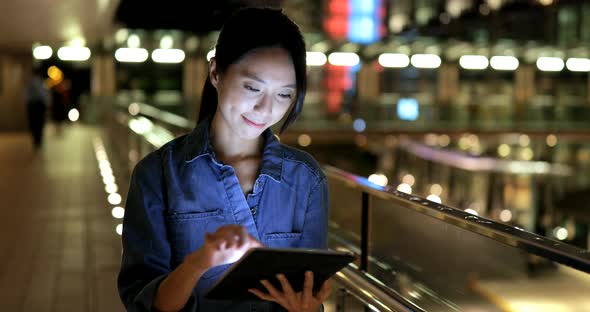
x: 257, y: 186
x: 254, y: 198
x: 238, y: 203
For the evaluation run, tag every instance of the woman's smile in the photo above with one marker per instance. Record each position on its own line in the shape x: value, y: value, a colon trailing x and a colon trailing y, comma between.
x: 254, y: 124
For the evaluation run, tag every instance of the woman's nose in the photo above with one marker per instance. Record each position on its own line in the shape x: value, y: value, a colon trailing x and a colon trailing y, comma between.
x: 264, y: 104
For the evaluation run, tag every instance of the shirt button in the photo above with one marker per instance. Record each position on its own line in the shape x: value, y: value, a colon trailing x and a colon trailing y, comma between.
x: 253, y: 210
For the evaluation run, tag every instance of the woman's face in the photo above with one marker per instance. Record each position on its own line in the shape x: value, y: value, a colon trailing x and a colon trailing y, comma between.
x: 255, y: 92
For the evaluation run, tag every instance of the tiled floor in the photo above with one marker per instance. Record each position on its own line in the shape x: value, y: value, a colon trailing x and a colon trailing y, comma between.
x: 58, y: 247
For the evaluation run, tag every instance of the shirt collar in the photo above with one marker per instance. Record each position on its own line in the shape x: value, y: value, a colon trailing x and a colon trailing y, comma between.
x: 198, y: 145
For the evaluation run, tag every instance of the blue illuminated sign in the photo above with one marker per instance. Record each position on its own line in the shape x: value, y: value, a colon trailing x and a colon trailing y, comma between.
x: 407, y: 109
x: 363, y: 21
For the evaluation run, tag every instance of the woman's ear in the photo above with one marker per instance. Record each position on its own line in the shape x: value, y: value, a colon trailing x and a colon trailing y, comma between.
x: 213, y: 74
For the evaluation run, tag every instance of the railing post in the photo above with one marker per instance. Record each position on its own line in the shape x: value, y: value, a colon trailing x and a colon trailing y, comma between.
x: 365, y: 231
x: 490, y: 197
x: 341, y: 300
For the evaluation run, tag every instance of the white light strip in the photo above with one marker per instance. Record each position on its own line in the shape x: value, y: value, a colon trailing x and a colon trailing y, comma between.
x: 42, y: 52
x: 434, y: 198
x: 504, y: 62
x: 425, y: 60
x: 343, y: 59
x: 315, y: 58
x: 131, y: 55
x: 553, y: 64
x: 473, y: 62
x: 578, y: 64
x: 394, y: 60
x: 168, y: 55
x: 107, y: 173
x: 118, y: 212
x: 141, y: 125
x: 73, y: 53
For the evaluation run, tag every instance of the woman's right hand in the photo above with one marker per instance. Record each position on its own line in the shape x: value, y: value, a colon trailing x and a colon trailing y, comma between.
x: 228, y: 244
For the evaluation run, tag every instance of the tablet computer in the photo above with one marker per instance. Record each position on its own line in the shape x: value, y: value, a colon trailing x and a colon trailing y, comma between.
x: 266, y: 263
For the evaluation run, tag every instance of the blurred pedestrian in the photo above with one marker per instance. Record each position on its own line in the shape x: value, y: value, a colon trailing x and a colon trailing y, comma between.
x: 37, y: 100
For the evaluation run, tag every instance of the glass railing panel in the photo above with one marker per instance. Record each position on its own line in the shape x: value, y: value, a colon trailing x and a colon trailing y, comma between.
x: 345, y: 212
x: 444, y: 259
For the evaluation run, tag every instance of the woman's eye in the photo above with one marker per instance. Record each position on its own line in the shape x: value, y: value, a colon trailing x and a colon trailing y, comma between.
x: 249, y: 88
x: 285, y: 95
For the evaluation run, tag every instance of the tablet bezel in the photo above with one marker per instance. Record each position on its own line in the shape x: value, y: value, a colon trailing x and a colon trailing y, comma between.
x: 230, y: 287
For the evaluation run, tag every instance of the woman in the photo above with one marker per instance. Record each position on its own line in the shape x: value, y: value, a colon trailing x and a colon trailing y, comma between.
x: 201, y: 201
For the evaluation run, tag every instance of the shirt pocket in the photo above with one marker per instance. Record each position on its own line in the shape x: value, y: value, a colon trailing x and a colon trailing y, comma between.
x: 186, y: 231
x: 282, y: 240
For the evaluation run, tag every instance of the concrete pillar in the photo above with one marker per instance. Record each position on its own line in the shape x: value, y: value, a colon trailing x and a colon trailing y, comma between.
x: 102, y: 88
x: 194, y: 75
x: 448, y: 83
x: 524, y: 89
x: 524, y: 84
x: 103, y: 78
x: 447, y: 90
x: 14, y: 73
x: 368, y: 84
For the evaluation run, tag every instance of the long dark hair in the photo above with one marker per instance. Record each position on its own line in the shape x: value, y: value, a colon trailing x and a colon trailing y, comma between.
x: 253, y: 28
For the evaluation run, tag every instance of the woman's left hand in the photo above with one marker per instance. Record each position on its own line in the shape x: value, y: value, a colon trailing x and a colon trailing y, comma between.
x: 304, y: 301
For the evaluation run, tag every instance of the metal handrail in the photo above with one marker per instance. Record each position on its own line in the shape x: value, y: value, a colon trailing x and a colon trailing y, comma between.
x: 489, y: 164
x: 160, y: 115
x: 371, y: 292
x: 513, y: 236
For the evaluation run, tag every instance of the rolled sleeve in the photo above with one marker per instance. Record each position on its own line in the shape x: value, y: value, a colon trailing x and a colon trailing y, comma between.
x: 315, y: 227
x: 146, y: 251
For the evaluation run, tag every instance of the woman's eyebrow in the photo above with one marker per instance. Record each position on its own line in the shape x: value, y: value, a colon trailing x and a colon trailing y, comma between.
x: 254, y: 77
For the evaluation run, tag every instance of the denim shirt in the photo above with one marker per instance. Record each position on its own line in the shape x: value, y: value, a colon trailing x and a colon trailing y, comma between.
x: 181, y: 191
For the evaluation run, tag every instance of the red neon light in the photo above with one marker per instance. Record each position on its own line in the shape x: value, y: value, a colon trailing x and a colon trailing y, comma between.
x: 336, y: 27
x: 334, y: 101
x: 338, y: 7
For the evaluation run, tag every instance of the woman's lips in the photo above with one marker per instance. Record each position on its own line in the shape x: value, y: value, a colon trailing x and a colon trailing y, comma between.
x: 253, y: 124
